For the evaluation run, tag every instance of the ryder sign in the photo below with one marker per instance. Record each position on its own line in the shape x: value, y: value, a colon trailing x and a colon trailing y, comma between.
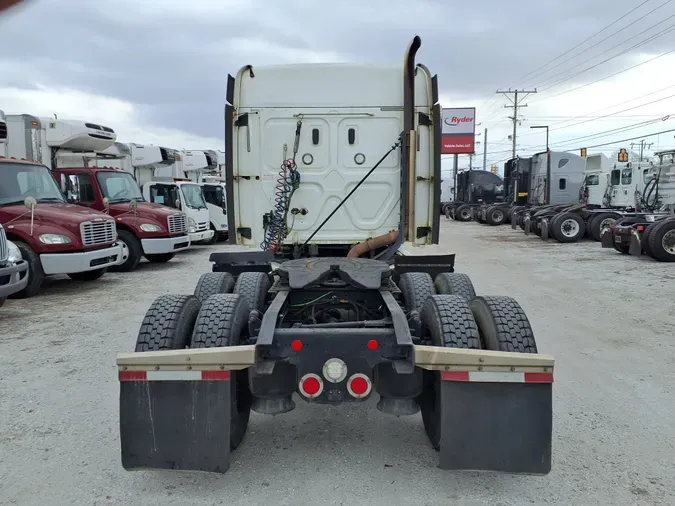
x: 458, y: 131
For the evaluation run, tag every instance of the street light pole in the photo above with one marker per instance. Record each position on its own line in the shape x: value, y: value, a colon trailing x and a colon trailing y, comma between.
x: 546, y: 127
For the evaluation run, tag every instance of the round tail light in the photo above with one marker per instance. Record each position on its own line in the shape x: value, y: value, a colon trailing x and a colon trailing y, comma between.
x: 310, y: 386
x: 359, y: 386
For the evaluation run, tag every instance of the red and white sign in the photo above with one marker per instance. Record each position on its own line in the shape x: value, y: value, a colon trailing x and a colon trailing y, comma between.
x: 458, y: 131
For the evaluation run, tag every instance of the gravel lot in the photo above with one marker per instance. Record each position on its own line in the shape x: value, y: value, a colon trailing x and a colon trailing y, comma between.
x: 606, y: 318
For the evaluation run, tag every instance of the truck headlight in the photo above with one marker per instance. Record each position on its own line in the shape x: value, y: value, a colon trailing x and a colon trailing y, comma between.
x: 192, y: 225
x: 14, y: 253
x: 149, y: 227
x: 54, y: 239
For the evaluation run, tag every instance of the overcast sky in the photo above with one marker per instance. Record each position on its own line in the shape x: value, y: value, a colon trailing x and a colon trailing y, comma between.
x: 154, y: 70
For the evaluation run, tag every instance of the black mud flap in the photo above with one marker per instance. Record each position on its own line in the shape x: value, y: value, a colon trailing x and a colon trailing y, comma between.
x: 501, y: 427
x: 544, y: 229
x: 635, y: 244
x: 514, y: 221
x: 181, y: 425
x: 527, y: 222
x: 607, y: 238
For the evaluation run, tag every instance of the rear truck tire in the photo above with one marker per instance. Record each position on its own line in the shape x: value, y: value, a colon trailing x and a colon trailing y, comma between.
x: 211, y: 283
x: 454, y: 283
x: 662, y: 241
x: 168, y: 323
x: 623, y: 249
x: 131, y: 248
x: 220, y: 323
x: 253, y: 286
x: 88, y: 275
x: 644, y: 240
x: 160, y: 258
x: 35, y: 273
x: 2, y: 301
x: 463, y: 213
x: 597, y: 222
x: 568, y: 227
x: 448, y: 321
x: 495, y: 216
x: 503, y: 325
x: 416, y: 288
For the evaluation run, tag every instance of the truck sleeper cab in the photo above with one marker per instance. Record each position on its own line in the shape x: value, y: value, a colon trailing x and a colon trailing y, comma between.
x: 54, y: 237
x: 184, y: 195
x: 145, y: 229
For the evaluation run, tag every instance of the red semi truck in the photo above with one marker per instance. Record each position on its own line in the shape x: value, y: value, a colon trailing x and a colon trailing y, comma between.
x: 67, y: 147
x: 54, y: 237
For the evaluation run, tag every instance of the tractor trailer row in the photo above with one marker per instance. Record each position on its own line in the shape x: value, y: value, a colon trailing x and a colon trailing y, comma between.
x: 563, y: 196
x: 71, y: 201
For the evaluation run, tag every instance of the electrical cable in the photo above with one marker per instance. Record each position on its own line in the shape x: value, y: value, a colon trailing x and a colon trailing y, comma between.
x: 580, y: 43
x: 633, y: 22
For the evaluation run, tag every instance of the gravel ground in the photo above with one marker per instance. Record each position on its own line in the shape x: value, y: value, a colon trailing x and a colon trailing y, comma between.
x: 606, y: 318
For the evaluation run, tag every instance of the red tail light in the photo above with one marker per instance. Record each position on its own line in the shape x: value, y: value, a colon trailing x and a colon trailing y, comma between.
x: 310, y: 385
x: 359, y: 385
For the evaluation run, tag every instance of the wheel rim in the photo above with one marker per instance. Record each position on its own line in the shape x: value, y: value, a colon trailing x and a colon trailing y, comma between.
x: 668, y: 242
x: 569, y: 228
x: 497, y: 215
x: 466, y: 213
x: 125, y: 251
x: 606, y: 224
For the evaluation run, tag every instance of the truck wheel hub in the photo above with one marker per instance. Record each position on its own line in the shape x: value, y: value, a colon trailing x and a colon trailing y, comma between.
x: 668, y: 242
x: 569, y: 228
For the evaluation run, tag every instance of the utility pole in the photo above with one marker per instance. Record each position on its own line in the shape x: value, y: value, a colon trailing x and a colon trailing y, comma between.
x: 516, y: 101
x: 484, y: 148
x: 643, y: 145
x: 470, y: 161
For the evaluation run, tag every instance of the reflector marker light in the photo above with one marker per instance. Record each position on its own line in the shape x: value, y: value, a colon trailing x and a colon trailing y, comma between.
x: 310, y: 385
x: 296, y: 345
x: 497, y: 377
x: 359, y: 385
x: 174, y: 375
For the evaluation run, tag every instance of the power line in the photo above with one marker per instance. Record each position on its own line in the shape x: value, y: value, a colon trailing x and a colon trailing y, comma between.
x: 614, y: 130
x: 581, y: 43
x: 650, y: 39
x: 620, y: 30
x: 631, y: 139
x: 516, y: 103
x: 612, y: 75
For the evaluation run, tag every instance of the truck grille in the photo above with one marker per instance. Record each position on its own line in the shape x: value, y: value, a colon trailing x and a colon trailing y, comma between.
x: 177, y: 223
x: 202, y: 226
x: 4, y: 250
x: 94, y: 233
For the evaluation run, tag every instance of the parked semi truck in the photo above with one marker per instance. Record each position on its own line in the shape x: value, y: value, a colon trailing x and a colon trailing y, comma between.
x: 170, y: 186
x: 346, y: 314
x: 143, y: 229
x: 474, y: 189
x: 54, y: 237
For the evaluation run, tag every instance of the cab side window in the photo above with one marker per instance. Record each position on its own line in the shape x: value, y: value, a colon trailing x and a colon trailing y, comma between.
x: 616, y: 177
x: 79, y: 188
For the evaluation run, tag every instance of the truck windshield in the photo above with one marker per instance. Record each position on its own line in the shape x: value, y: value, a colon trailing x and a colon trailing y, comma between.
x: 193, y: 196
x: 119, y: 186
x: 213, y: 194
x: 21, y: 180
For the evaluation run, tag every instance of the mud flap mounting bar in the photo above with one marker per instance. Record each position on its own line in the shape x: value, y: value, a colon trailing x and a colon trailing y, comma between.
x: 496, y: 408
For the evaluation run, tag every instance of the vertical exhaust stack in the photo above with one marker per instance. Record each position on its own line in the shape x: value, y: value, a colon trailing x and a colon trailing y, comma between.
x: 408, y: 149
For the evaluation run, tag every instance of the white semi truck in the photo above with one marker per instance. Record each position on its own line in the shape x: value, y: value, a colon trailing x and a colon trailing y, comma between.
x: 169, y: 186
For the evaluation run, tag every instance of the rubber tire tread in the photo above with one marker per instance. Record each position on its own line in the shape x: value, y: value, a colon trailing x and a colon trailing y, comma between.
x: 450, y: 323
x: 655, y: 238
x: 35, y: 273
x: 593, y: 229
x: 135, y: 252
x: 503, y: 324
x: 454, y: 283
x: 220, y: 323
x: 417, y: 287
x: 168, y: 323
x: 644, y: 239
x: 211, y: 283
x: 253, y: 286
x: 160, y: 258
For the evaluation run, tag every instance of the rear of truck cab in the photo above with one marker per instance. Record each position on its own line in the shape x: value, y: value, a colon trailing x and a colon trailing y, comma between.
x: 159, y: 229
